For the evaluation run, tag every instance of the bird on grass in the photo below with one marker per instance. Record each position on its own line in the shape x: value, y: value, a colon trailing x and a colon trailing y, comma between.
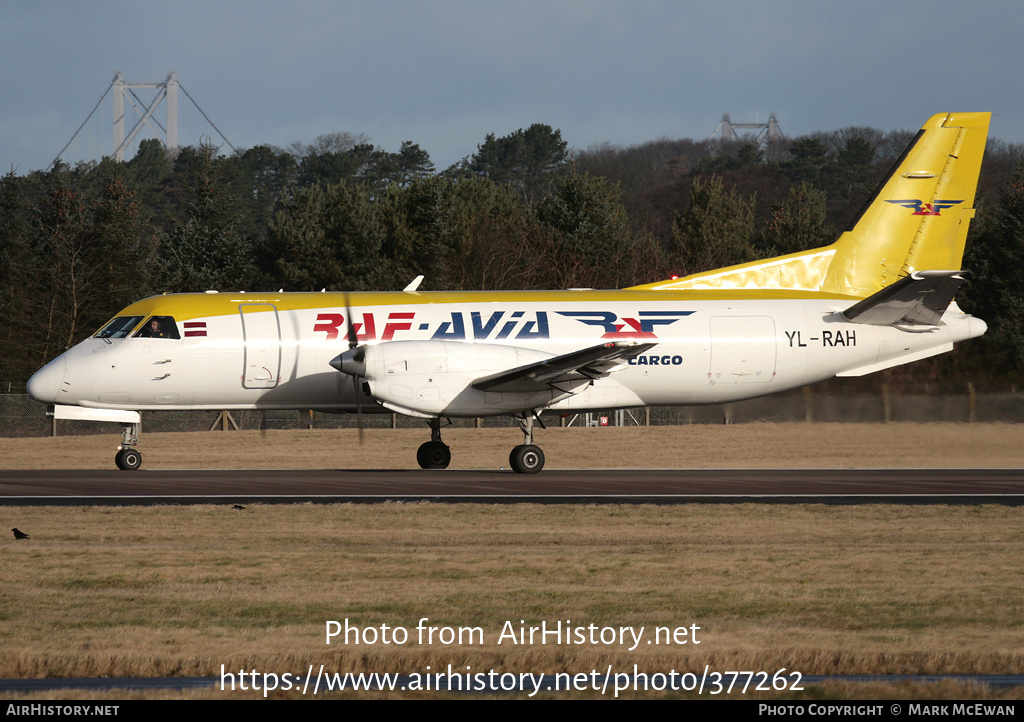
x: 18, y: 534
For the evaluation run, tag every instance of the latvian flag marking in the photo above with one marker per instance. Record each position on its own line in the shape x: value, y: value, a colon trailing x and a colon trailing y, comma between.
x: 195, y: 328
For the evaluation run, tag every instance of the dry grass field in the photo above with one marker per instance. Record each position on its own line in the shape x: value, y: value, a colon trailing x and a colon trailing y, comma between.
x: 183, y: 590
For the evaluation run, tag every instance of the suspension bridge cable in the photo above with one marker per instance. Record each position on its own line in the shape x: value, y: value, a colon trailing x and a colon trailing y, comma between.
x: 207, y: 118
x: 83, y: 125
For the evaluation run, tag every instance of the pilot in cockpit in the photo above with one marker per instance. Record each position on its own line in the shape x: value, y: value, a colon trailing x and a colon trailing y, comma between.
x: 158, y: 327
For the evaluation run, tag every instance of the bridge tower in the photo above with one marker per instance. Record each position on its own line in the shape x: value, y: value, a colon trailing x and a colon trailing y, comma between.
x: 167, y: 90
x: 167, y: 93
x: 768, y: 136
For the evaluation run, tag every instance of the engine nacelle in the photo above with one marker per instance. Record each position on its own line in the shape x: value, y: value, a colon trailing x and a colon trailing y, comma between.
x: 432, y: 378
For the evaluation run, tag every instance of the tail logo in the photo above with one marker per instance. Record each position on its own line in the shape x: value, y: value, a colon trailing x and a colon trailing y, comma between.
x: 921, y: 208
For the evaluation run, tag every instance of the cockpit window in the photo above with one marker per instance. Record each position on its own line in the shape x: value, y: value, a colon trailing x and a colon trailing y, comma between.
x: 119, y: 327
x: 158, y: 327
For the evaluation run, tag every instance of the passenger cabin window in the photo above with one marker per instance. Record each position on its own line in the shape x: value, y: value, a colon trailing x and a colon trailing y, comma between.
x: 120, y: 327
x: 158, y: 327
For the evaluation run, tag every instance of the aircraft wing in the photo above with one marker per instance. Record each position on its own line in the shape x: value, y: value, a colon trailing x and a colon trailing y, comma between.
x: 583, y: 365
x: 920, y: 298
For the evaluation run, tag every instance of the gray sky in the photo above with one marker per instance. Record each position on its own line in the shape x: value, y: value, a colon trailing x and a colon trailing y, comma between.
x: 444, y: 73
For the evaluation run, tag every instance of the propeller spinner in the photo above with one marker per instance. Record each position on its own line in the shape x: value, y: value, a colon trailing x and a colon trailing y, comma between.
x: 353, y: 361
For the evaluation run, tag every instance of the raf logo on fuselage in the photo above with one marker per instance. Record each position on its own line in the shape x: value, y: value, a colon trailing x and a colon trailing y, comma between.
x: 497, y: 325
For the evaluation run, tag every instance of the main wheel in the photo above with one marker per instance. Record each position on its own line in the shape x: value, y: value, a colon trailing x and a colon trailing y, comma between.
x: 128, y: 460
x: 526, y: 459
x: 434, y: 455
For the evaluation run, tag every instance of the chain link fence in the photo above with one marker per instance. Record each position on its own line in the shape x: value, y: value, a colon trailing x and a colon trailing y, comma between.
x: 20, y: 416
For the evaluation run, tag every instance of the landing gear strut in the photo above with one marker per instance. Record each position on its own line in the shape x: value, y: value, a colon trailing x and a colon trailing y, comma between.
x: 527, y: 458
x: 129, y: 458
x: 434, y: 454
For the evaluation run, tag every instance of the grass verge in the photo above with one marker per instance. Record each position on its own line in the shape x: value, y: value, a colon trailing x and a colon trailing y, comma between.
x: 822, y: 590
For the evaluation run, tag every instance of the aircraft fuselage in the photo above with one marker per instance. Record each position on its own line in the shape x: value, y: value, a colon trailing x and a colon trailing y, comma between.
x: 272, y: 351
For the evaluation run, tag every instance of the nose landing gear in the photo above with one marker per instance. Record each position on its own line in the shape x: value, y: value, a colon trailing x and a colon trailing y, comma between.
x: 129, y: 458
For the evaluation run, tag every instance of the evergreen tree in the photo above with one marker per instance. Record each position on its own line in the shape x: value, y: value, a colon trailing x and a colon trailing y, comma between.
x: 799, y: 223
x: 93, y: 258
x: 17, y: 269
x: 427, y: 229
x: 716, y: 229
x: 334, y: 167
x: 850, y: 181
x: 993, y: 292
x: 410, y: 163
x: 204, y: 251
x: 257, y: 178
x: 526, y: 159
x: 150, y: 174
x: 809, y: 163
x: 125, y: 244
x: 363, y: 163
x: 329, y: 237
x: 59, y: 224
x: 593, y: 245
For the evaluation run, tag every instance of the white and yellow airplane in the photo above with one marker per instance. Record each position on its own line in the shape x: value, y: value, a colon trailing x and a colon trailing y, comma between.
x: 880, y: 296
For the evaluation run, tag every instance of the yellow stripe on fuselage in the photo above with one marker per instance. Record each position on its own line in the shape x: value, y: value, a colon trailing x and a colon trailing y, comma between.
x: 186, y: 306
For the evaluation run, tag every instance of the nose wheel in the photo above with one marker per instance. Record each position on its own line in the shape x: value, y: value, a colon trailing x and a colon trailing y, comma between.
x: 128, y: 460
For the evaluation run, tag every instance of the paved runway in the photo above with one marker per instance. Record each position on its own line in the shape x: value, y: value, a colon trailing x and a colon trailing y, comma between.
x: 623, y: 486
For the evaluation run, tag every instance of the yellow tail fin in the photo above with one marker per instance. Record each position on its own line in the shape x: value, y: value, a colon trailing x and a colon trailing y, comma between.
x: 916, y: 220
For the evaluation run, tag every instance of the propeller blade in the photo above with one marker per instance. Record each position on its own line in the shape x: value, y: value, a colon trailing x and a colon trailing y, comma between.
x: 353, y: 362
x: 359, y: 416
x: 353, y: 339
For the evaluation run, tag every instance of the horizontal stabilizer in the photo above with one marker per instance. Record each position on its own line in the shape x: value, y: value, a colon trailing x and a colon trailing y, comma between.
x: 585, y: 364
x: 920, y: 298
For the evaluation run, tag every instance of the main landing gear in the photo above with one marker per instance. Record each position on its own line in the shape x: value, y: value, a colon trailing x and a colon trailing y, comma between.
x: 527, y: 458
x: 129, y: 458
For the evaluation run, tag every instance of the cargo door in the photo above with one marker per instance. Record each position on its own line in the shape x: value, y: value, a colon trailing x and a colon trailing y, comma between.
x: 261, y: 330
x: 742, y: 350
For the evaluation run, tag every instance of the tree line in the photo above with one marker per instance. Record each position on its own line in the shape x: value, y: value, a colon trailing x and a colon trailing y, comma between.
x: 78, y: 243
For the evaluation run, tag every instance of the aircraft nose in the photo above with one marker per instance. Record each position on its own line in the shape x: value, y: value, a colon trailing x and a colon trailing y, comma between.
x: 46, y: 383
